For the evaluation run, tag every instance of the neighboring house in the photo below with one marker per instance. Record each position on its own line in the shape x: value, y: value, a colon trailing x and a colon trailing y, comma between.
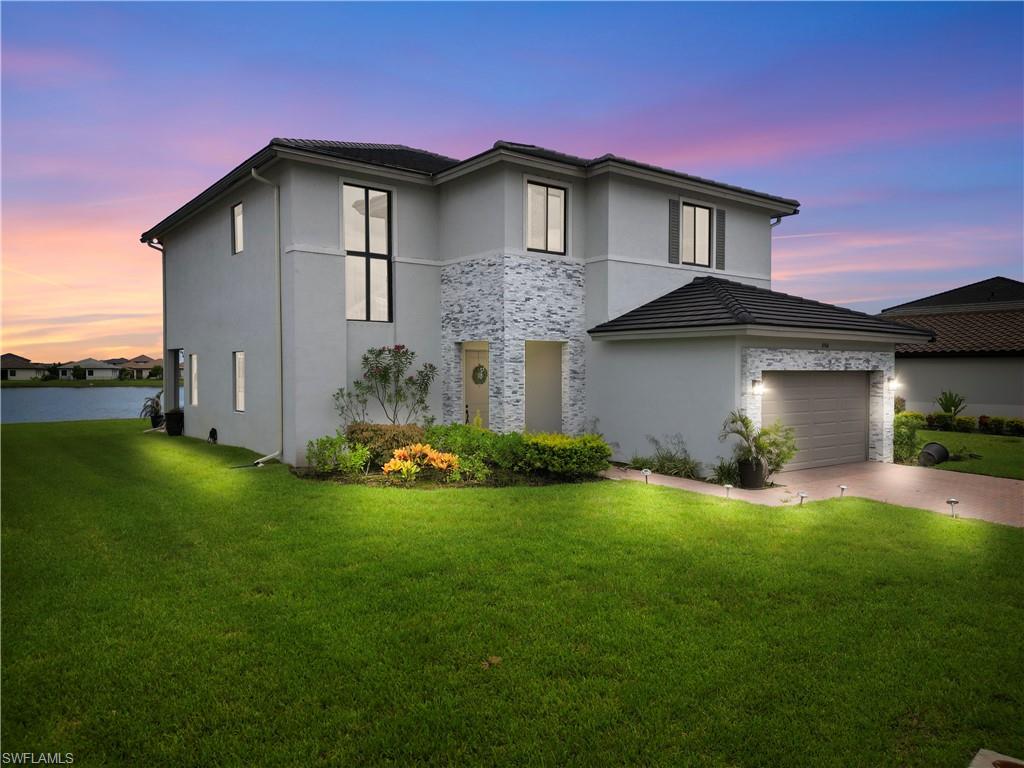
x: 94, y: 369
x: 140, y: 366
x: 16, y: 367
x: 978, y: 350
x: 597, y: 293
x: 117, y: 360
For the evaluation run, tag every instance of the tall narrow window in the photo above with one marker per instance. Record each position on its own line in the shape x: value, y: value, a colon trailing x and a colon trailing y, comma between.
x: 193, y: 379
x: 237, y: 229
x: 367, y: 219
x: 696, y: 235
x: 545, y: 218
x: 239, y: 381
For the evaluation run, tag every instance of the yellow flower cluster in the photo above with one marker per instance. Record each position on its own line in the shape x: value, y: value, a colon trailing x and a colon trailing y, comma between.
x: 410, y: 459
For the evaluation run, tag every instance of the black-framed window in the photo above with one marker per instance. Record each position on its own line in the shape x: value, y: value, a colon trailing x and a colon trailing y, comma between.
x: 545, y: 218
x: 366, y: 213
x: 237, y: 228
x: 695, y: 240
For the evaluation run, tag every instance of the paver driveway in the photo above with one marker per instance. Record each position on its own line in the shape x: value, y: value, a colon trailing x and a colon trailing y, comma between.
x: 996, y: 499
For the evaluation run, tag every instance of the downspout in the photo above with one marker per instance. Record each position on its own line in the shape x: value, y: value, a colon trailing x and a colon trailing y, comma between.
x: 774, y: 224
x: 279, y: 453
x: 156, y: 245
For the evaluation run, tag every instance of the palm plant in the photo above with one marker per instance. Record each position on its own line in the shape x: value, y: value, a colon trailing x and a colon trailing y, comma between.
x: 760, y: 452
x: 951, y: 403
x: 152, y: 410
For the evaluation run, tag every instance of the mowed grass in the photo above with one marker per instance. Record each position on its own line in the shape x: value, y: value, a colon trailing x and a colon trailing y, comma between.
x: 163, y: 609
x: 1001, y: 456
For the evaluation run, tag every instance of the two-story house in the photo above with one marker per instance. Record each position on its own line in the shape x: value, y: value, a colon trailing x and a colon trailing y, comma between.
x: 553, y: 293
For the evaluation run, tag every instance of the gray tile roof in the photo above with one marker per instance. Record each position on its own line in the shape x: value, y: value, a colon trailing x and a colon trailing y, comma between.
x: 995, y: 290
x: 388, y: 155
x: 711, y: 302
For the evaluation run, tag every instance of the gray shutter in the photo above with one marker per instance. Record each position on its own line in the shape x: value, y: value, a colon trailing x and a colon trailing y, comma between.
x: 673, y: 231
x: 719, y: 239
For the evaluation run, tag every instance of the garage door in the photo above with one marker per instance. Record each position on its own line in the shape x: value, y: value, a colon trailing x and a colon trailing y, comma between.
x: 828, y: 411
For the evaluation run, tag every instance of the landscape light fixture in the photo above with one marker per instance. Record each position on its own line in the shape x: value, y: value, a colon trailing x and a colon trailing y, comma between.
x: 952, y: 507
x: 646, y: 473
x: 728, y: 487
x: 802, y: 495
x: 842, y: 491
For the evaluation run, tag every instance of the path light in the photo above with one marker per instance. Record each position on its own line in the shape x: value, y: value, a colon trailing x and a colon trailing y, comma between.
x: 728, y: 487
x: 952, y: 507
x: 646, y: 473
x: 802, y: 495
x: 842, y: 491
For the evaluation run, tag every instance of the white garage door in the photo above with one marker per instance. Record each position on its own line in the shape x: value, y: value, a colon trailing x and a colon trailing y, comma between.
x: 828, y: 410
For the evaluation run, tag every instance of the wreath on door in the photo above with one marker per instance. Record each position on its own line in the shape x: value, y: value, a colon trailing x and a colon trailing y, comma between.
x: 480, y: 375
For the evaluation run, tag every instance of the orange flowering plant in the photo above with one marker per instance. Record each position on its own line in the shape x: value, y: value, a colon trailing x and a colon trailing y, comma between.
x: 408, y: 460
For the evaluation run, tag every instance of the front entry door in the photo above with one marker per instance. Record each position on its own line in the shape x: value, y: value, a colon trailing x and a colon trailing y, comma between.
x: 476, y: 378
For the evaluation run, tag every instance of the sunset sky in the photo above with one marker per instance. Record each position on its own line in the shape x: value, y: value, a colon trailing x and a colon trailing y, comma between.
x: 900, y: 128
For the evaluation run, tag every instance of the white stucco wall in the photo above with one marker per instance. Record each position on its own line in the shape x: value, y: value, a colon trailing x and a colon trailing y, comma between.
x: 638, y: 388
x: 219, y: 302
x: 993, y: 386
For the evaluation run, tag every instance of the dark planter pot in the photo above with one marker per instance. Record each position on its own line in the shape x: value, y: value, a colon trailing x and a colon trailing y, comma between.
x: 157, y: 420
x: 753, y: 474
x: 932, y: 454
x: 175, y: 423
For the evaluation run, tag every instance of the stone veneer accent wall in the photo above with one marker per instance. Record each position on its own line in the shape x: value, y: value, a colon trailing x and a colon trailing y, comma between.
x: 506, y: 300
x: 881, y: 365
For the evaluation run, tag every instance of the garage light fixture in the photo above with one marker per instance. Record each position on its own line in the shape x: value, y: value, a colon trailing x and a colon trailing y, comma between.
x: 757, y: 387
x: 893, y: 383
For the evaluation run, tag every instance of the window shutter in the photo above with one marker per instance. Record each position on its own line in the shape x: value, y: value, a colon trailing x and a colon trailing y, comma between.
x: 719, y: 239
x: 673, y: 231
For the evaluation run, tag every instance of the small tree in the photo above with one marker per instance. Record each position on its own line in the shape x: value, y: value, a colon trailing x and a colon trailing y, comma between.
x: 78, y: 372
x: 402, y: 396
x: 156, y: 372
x: 124, y: 374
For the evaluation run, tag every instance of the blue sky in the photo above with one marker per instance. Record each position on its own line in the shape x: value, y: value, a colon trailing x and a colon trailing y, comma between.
x: 898, y: 126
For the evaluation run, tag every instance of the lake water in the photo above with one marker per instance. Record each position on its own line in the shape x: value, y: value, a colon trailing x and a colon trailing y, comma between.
x: 72, y: 404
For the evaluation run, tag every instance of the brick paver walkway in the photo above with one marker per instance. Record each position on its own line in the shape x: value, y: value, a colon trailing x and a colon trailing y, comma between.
x: 996, y: 499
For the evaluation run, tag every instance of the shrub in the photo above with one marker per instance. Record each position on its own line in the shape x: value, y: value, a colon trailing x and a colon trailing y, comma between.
x: 1015, y: 427
x: 940, y: 421
x: 485, y: 451
x: 463, y: 439
x: 904, y: 437
x: 78, y: 373
x: 964, y: 423
x: 402, y: 397
x: 995, y: 425
x: 671, y: 458
x: 899, y: 404
x: 951, y: 403
x: 383, y: 439
x: 563, y: 456
x: 408, y: 461
x: 725, y: 472
x: 335, y: 456
x: 156, y: 372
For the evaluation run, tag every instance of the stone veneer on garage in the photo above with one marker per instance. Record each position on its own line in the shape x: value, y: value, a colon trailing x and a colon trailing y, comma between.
x: 881, y: 366
x: 507, y: 299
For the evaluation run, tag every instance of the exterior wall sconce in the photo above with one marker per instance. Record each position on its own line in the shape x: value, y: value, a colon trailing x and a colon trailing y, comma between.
x: 894, y: 383
x: 757, y: 386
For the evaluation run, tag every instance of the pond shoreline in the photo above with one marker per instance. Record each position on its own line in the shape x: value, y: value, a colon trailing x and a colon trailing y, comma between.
x: 19, y: 405
x: 56, y: 383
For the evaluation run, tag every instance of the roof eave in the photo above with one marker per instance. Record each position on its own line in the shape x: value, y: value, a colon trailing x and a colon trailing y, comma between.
x: 772, y: 331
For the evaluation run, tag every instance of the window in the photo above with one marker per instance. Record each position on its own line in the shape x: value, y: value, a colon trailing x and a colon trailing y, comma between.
x: 239, y: 381
x: 193, y: 380
x: 545, y: 218
x: 366, y: 214
x: 13, y: 374
x: 237, y: 229
x: 696, y: 235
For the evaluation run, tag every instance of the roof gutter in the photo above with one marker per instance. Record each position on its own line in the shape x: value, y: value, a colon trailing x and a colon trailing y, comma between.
x: 280, y: 312
x: 750, y: 329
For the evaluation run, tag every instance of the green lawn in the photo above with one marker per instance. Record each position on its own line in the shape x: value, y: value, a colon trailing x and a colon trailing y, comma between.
x: 163, y: 609
x: 1001, y: 456
x: 32, y: 383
